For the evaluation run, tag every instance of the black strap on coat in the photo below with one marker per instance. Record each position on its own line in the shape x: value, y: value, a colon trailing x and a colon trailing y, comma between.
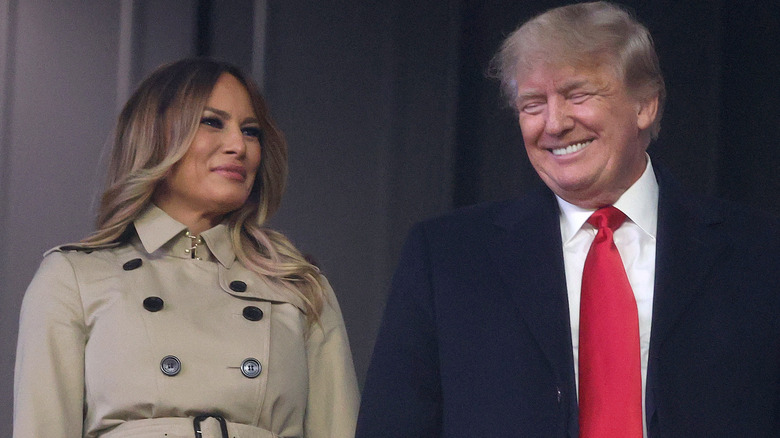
x: 222, y: 424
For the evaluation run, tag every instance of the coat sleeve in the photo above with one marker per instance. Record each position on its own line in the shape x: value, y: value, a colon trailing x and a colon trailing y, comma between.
x: 402, y: 394
x: 333, y: 401
x: 49, y: 372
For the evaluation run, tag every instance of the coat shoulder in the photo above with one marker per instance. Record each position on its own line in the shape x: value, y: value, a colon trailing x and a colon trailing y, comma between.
x: 81, y: 247
x: 488, y: 217
x: 88, y: 261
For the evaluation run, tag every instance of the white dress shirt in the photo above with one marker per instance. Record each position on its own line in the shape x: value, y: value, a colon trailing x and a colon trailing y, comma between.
x: 635, y: 240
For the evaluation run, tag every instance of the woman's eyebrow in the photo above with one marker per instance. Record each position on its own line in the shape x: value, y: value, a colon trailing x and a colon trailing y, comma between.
x: 223, y: 114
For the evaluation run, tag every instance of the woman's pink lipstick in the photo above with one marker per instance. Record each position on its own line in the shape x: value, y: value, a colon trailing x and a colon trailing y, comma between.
x: 234, y: 172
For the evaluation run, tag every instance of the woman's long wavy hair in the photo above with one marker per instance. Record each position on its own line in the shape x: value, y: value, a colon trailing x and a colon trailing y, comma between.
x: 155, y: 130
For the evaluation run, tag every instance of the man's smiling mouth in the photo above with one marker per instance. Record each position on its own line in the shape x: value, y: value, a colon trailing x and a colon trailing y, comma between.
x: 571, y: 148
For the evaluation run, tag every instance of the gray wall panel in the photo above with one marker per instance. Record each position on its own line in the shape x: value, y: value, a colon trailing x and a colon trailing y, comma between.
x: 60, y: 113
x: 8, y: 301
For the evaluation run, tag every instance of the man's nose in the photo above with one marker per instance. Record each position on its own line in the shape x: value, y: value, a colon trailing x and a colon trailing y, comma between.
x: 558, y: 120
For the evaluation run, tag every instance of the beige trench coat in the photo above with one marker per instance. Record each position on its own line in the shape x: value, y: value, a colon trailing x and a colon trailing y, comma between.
x: 135, y: 340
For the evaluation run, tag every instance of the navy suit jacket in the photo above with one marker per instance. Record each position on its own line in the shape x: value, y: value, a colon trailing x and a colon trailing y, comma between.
x: 475, y: 339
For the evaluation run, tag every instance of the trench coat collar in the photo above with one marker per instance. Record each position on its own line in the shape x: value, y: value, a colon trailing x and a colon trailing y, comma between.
x: 155, y: 229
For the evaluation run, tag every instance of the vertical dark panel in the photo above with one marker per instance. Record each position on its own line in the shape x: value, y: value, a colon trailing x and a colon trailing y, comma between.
x: 426, y: 35
x: 163, y: 32
x: 688, y: 45
x: 330, y: 87
x: 750, y: 167
x: 203, y: 26
x: 225, y: 31
x: 365, y: 93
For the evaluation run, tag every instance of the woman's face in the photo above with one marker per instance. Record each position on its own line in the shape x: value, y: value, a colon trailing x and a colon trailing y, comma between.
x: 217, y: 172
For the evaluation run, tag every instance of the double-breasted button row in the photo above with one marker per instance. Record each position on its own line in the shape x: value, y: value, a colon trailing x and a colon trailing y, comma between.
x: 250, y: 367
x: 155, y: 304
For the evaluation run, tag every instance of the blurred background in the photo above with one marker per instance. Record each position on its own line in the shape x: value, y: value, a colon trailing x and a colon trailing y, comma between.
x: 386, y: 107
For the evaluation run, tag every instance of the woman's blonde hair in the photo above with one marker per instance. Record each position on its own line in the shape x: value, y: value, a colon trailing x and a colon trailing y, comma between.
x: 154, y: 131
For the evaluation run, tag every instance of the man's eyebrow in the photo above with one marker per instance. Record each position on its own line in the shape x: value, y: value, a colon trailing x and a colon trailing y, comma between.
x: 572, y: 85
x: 562, y: 89
x: 528, y: 95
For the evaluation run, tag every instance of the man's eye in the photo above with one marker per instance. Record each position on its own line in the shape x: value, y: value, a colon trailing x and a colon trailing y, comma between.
x: 579, y: 97
x: 211, y: 121
x: 252, y: 132
x: 532, y: 108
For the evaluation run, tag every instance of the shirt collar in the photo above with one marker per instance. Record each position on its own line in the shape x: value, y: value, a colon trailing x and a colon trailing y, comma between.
x: 155, y: 228
x: 639, y: 203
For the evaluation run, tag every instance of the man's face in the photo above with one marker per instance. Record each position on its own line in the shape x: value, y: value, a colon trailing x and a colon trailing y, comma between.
x: 584, y: 133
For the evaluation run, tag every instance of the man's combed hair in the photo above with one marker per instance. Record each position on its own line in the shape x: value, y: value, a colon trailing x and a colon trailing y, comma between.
x: 154, y: 131
x: 584, y: 35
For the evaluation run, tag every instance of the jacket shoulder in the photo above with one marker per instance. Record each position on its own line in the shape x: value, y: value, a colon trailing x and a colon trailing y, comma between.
x: 89, y: 260
x: 502, y: 214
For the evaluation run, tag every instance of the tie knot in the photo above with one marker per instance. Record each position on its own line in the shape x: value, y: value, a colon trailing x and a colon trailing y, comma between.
x: 607, y: 217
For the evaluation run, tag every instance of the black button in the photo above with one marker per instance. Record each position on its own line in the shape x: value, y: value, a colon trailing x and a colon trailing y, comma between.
x: 170, y: 365
x: 153, y: 304
x: 132, y: 264
x: 238, y: 286
x: 253, y: 313
x: 251, y: 368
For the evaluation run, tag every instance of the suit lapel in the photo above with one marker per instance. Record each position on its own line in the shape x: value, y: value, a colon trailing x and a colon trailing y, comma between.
x: 527, y: 254
x: 687, y: 248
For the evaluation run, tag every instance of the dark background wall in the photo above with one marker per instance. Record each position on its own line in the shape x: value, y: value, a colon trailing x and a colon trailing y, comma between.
x: 386, y: 107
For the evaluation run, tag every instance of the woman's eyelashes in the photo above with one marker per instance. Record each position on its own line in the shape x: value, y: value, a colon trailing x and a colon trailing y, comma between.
x: 252, y: 131
x: 213, y: 122
x: 217, y: 123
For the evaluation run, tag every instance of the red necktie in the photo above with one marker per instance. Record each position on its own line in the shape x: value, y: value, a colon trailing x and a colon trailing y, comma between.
x: 610, y: 400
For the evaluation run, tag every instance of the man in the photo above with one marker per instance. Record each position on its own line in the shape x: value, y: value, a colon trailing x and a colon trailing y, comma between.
x: 612, y: 303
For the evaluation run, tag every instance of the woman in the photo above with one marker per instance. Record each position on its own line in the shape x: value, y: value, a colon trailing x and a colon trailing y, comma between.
x: 182, y: 315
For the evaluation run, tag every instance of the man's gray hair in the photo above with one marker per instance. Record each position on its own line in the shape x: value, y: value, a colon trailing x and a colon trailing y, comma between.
x: 584, y: 35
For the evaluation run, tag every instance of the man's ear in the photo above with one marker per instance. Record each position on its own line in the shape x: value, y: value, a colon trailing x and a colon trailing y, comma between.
x: 647, y: 109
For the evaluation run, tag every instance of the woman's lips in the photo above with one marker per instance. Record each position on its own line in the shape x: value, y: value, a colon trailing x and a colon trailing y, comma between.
x: 236, y: 173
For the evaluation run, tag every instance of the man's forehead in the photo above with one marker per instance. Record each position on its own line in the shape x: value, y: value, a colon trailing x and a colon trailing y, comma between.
x: 562, y: 77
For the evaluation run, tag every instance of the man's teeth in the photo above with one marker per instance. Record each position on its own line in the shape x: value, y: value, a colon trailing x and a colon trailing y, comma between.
x: 571, y: 149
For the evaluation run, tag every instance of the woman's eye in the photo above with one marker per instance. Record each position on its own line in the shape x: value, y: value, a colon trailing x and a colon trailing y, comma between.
x: 252, y: 132
x: 211, y: 121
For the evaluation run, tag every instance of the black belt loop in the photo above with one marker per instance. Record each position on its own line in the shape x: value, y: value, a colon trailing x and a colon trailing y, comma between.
x: 222, y: 424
